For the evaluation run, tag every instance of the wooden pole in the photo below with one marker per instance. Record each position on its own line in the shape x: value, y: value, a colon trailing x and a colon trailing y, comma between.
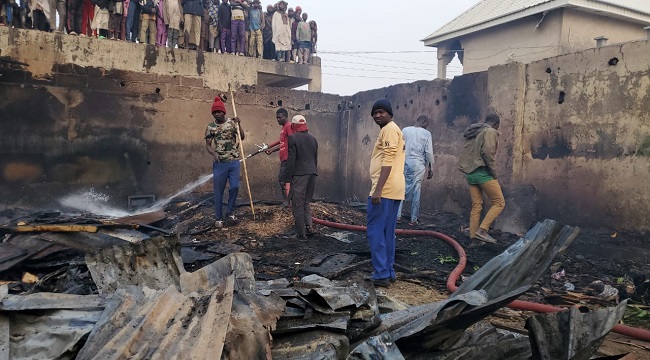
x: 241, y: 150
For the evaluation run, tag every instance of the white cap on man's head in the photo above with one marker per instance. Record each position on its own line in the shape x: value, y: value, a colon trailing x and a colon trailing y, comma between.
x: 298, y: 119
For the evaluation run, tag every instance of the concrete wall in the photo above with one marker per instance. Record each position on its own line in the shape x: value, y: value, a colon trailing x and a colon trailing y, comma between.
x: 574, y: 143
x: 216, y: 71
x: 580, y: 28
x: 451, y: 106
x: 124, y: 133
x: 589, y: 156
x: 582, y: 157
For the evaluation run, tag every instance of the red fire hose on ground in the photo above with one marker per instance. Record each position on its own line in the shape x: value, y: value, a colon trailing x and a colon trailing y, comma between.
x: 641, y: 334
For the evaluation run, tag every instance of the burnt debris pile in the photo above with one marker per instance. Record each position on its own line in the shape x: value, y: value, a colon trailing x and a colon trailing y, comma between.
x: 150, y: 286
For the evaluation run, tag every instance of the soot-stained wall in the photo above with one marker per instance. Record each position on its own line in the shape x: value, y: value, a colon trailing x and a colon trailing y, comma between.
x: 125, y: 133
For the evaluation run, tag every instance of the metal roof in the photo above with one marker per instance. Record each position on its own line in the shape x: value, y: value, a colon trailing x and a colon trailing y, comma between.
x: 490, y: 13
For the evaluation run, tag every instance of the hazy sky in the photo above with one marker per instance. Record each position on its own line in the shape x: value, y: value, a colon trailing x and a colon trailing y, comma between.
x: 380, y: 39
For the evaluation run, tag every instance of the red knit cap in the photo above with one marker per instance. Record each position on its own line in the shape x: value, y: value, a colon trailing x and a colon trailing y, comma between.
x: 218, y: 105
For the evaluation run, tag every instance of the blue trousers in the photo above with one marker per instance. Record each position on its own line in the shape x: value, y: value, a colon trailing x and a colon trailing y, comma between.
x: 382, y: 219
x: 222, y: 172
x: 132, y: 22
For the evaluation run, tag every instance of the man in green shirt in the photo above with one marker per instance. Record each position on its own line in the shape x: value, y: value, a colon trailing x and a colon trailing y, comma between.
x: 477, y: 162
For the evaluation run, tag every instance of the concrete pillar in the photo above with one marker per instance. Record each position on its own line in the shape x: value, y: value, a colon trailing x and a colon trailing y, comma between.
x: 315, y: 85
x: 316, y: 75
x: 647, y: 29
x: 601, y: 41
x: 442, y: 68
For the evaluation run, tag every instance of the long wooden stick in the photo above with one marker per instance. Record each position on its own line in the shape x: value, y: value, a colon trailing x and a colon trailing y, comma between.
x: 241, y: 150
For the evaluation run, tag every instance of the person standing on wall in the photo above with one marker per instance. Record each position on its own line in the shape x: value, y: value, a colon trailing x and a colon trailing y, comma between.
x: 225, y: 18
x: 173, y: 17
x: 301, y: 171
x: 419, y: 155
x: 386, y: 193
x: 213, y: 25
x: 281, y: 32
x: 192, y: 14
x: 148, y: 25
x: 269, y: 47
x: 256, y: 25
x: 281, y: 116
x: 221, y: 142
x: 303, y: 33
x: 237, y: 27
x: 477, y: 163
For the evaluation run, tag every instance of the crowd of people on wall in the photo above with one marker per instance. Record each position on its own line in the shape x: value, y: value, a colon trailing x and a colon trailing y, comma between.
x: 239, y: 27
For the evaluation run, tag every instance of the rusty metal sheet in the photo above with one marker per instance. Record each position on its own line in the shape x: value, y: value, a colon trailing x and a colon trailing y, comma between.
x: 5, y: 337
x: 141, y: 219
x: 8, y: 252
x: 48, y: 334
x: 48, y: 228
x: 424, y: 328
x: 210, y: 275
x: 162, y: 324
x: 571, y: 334
x: 330, y: 265
x: 154, y: 263
x: 86, y: 242
x: 49, y: 251
x: 252, y: 319
x: 342, y: 297
x: 45, y: 300
x: 29, y: 244
x: 311, y: 345
x: 336, y: 323
x: 381, y: 346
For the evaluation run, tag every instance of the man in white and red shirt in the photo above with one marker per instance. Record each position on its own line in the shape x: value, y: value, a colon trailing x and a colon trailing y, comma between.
x: 282, y: 115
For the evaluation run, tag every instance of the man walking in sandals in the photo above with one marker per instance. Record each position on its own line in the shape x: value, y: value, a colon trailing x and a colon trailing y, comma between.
x: 477, y: 163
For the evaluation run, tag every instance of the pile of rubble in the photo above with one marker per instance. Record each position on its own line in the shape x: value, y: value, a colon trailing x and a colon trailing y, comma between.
x: 120, y: 290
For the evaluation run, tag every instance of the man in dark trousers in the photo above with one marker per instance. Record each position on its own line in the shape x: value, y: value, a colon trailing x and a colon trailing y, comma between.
x: 301, y: 172
x: 477, y: 163
x: 282, y: 116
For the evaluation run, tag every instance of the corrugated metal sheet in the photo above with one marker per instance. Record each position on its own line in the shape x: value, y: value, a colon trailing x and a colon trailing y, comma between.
x: 155, y: 263
x: 163, y: 324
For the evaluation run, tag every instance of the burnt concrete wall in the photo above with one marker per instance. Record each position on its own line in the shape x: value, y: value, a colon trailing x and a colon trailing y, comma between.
x: 451, y: 106
x: 586, y: 136
x: 574, y: 143
x: 124, y: 132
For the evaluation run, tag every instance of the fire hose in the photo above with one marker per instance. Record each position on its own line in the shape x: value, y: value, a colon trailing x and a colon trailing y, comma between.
x: 637, y: 333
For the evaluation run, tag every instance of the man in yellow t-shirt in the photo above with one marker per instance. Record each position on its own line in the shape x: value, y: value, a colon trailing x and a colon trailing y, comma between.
x: 386, y: 194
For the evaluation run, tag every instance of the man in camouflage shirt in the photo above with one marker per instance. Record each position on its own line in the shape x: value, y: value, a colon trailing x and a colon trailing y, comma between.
x: 221, y: 142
